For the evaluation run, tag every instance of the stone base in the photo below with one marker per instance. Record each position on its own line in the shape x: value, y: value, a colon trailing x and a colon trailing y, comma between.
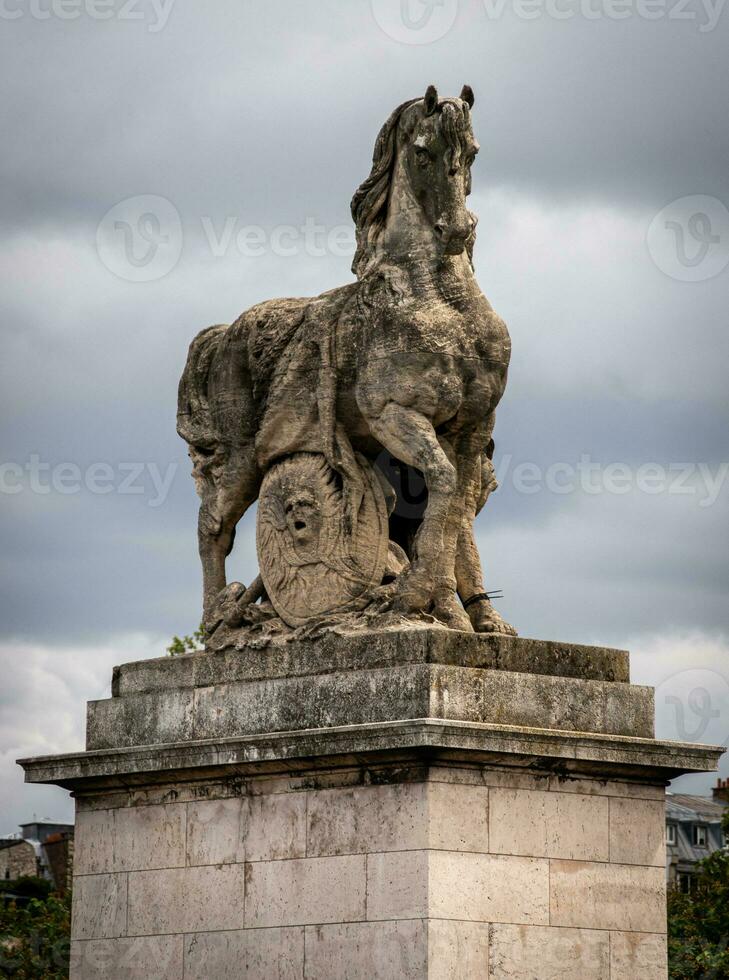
x: 446, y: 846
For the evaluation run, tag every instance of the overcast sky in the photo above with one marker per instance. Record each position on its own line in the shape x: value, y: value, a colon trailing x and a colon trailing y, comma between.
x: 602, y: 189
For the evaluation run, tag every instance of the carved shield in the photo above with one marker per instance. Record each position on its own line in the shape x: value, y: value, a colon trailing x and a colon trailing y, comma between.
x: 314, y: 560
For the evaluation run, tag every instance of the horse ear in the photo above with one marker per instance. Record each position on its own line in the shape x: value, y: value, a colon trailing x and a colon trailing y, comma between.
x: 467, y: 95
x: 430, y: 100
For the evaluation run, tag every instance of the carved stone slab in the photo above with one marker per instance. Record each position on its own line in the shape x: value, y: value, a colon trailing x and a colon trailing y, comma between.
x: 312, y: 561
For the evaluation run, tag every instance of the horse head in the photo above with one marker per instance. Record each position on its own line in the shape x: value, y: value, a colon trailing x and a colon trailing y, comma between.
x: 420, y: 178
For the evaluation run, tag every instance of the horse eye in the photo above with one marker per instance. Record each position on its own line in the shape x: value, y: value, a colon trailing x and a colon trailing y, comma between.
x: 421, y: 154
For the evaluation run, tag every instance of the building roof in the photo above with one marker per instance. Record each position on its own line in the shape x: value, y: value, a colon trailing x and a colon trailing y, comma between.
x: 6, y: 842
x: 45, y: 822
x: 682, y: 806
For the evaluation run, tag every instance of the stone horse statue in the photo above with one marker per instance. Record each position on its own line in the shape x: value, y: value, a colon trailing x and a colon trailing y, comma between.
x: 406, y: 363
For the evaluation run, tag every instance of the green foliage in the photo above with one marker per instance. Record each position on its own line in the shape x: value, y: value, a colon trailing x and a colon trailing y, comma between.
x: 27, y: 887
x: 35, y: 938
x: 698, y: 923
x: 188, y: 644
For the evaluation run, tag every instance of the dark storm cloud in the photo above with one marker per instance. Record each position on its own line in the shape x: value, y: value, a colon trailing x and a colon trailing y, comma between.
x: 215, y: 108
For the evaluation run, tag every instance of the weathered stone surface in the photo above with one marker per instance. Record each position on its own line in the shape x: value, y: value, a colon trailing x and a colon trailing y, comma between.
x: 454, y: 885
x: 149, y: 837
x: 634, y: 954
x: 312, y: 890
x: 252, y: 953
x: 368, y: 818
x: 528, y: 952
x: 458, y: 817
x: 94, y: 842
x: 214, y: 832
x: 607, y: 896
x: 549, y: 824
x: 178, y: 900
x: 457, y: 950
x: 377, y: 648
x: 634, y: 790
x: 578, y: 753
x: 99, y: 906
x: 128, y: 959
x: 144, y: 718
x: 364, y: 696
x: 638, y: 832
x: 367, y: 950
x: 130, y: 839
x: 488, y: 888
x: 255, y: 828
x: 397, y: 885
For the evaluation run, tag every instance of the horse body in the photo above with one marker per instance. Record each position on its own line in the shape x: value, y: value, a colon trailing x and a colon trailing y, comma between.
x: 410, y: 359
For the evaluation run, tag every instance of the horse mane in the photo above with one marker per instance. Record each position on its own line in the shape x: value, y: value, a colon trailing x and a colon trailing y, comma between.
x: 369, y: 203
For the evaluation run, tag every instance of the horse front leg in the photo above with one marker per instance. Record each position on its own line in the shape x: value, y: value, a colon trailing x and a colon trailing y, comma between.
x: 469, y: 574
x: 447, y: 606
x: 409, y: 436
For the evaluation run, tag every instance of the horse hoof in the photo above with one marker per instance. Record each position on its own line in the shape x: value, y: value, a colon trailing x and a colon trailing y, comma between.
x: 413, y: 592
x: 452, y: 614
x: 485, y: 619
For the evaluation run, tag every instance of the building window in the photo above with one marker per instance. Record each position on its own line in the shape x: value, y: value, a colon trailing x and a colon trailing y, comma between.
x: 699, y: 835
x: 684, y: 883
x: 670, y: 833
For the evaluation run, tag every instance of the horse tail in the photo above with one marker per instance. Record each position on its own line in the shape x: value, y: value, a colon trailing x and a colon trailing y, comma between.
x: 195, y: 420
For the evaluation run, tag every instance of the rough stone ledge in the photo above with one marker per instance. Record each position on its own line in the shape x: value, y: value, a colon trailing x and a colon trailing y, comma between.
x: 334, y: 653
x: 370, y: 696
x: 413, y: 741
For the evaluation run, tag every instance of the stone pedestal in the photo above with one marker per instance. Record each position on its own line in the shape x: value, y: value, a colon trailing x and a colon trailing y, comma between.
x: 410, y: 804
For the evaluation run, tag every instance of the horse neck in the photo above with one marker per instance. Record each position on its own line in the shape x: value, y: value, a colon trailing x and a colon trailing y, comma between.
x: 408, y: 243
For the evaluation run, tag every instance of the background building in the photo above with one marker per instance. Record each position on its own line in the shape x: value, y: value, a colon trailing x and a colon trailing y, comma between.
x: 43, y: 849
x: 17, y: 859
x: 693, y: 831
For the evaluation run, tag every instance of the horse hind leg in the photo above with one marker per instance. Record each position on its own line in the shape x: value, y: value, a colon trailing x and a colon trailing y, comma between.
x: 225, y: 497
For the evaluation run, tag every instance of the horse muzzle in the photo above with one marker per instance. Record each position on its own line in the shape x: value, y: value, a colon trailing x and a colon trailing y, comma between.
x: 453, y: 237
